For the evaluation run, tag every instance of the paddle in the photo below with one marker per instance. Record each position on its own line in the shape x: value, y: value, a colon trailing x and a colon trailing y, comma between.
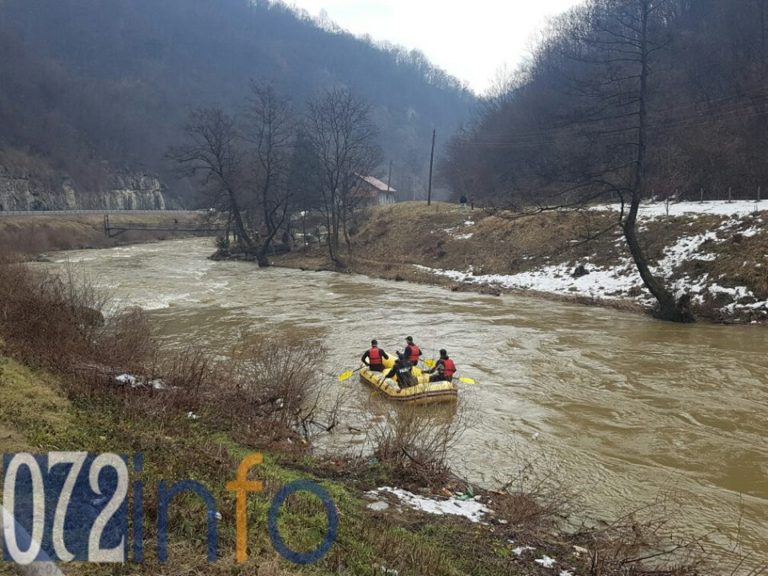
x: 348, y: 374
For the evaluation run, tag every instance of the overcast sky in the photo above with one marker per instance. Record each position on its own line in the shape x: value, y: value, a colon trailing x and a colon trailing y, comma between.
x: 471, y: 40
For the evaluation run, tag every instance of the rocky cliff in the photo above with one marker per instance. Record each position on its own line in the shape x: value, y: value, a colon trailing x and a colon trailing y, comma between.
x: 127, y: 191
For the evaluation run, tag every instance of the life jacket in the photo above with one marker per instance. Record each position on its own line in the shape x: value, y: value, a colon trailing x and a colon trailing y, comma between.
x: 374, y: 356
x: 415, y: 353
x: 449, y: 368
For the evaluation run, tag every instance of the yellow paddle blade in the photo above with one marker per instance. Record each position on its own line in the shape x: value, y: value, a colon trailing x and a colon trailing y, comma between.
x: 430, y: 363
x: 467, y: 380
x: 345, y: 375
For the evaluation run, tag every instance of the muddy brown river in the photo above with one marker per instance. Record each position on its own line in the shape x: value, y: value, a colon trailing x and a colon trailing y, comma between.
x: 623, y: 409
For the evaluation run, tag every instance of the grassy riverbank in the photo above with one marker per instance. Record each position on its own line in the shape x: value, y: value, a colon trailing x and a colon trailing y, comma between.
x: 716, y: 253
x: 40, y: 413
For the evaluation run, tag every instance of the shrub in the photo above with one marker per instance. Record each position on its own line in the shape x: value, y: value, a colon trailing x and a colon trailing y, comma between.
x: 415, y: 441
x: 58, y: 322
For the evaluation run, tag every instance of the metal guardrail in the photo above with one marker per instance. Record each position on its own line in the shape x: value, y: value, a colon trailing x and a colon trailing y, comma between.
x: 11, y: 213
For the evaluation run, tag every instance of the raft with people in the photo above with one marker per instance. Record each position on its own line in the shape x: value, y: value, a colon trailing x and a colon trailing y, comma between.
x: 401, y: 379
x: 422, y: 392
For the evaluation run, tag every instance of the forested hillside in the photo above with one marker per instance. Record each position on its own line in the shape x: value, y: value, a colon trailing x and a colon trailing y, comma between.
x: 88, y: 87
x: 568, y: 127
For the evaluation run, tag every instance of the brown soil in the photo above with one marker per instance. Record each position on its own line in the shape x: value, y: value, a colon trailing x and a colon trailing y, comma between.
x: 390, y: 240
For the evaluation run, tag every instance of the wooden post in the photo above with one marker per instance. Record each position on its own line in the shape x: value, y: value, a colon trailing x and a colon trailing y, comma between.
x: 702, y: 195
x: 758, y: 193
x: 730, y: 195
x: 431, y: 162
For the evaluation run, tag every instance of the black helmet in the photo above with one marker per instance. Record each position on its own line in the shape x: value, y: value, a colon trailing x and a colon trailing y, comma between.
x: 374, y: 343
x: 443, y: 352
x: 409, y: 338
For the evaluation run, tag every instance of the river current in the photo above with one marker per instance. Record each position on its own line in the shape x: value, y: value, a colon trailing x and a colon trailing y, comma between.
x: 624, y: 410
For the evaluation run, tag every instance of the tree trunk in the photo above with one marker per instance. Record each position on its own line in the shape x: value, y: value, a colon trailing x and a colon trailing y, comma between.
x: 329, y: 226
x: 262, y: 258
x: 668, y: 308
x: 238, y: 220
x: 345, y: 229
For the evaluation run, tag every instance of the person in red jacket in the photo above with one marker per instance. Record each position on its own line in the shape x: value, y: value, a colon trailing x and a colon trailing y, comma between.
x: 412, y: 351
x: 445, y: 368
x: 375, y: 357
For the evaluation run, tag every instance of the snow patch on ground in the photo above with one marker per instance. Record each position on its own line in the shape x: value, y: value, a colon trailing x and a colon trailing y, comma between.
x: 559, y: 279
x: 622, y: 281
x: 686, y: 249
x: 546, y: 561
x: 470, y: 509
x: 458, y: 233
x: 716, y: 207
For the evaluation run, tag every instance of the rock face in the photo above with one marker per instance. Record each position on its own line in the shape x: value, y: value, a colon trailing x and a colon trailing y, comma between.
x: 126, y: 191
x: 134, y: 192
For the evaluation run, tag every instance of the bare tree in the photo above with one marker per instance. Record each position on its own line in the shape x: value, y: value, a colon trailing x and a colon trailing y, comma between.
x: 271, y: 131
x: 576, y: 129
x: 618, y: 43
x: 212, y: 152
x: 343, y: 140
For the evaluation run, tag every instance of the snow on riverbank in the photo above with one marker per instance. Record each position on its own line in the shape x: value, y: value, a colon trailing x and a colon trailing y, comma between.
x: 621, y: 281
x: 470, y: 509
x: 598, y: 283
x: 473, y: 510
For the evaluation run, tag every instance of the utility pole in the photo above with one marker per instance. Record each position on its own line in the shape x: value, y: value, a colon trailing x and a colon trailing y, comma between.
x: 431, y: 161
x: 389, y: 178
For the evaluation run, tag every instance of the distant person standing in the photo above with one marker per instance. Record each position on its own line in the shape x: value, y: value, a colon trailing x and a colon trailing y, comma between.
x: 463, y: 201
x: 375, y: 357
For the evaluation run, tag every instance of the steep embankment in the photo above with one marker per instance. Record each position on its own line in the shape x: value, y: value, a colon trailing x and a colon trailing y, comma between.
x: 716, y: 252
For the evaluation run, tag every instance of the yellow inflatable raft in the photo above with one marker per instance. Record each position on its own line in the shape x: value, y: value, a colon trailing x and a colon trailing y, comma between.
x: 425, y: 392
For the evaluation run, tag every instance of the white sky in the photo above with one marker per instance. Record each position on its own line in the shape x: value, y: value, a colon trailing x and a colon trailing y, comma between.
x: 471, y: 40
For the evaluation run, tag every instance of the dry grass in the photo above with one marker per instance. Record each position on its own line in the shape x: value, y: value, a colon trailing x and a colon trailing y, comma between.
x: 58, y: 322
x: 395, y: 238
x: 32, y: 235
x: 269, y: 385
x: 262, y: 393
